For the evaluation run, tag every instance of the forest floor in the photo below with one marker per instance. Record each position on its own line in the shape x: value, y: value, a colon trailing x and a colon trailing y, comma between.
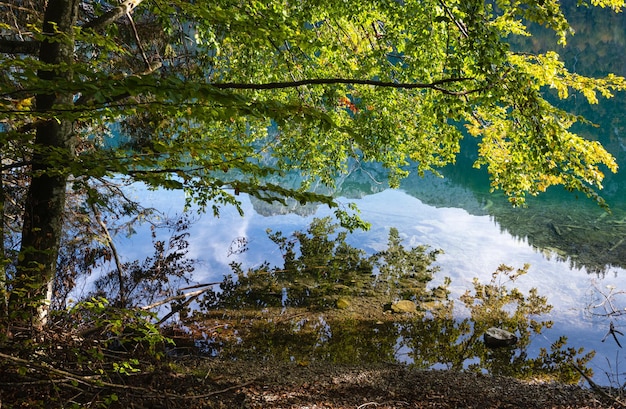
x: 213, y: 383
x: 273, y: 385
x: 291, y: 385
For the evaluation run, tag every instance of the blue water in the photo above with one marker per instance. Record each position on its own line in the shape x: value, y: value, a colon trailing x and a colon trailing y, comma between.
x: 575, y: 249
x: 474, y: 246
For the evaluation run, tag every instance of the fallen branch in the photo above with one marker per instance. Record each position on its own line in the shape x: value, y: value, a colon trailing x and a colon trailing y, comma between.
x: 393, y: 402
x: 96, y: 382
x: 193, y: 295
x: 85, y: 380
x: 208, y: 395
x: 599, y: 390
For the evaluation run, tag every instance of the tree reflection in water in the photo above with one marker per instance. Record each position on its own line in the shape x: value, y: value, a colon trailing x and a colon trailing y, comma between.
x: 330, y: 301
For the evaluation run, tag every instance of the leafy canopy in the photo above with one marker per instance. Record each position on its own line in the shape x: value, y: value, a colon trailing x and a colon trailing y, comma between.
x: 224, y: 97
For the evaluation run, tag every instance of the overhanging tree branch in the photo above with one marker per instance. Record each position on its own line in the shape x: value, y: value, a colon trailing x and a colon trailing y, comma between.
x: 32, y: 47
x: 87, y: 99
x: 436, y: 85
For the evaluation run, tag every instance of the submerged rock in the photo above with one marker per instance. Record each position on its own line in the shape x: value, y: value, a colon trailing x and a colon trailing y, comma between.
x: 498, y: 337
x: 404, y: 306
x: 343, y: 303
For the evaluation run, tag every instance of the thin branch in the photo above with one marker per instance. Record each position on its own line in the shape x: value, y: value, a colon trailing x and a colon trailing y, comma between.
x: 112, y: 15
x: 116, y: 256
x: 207, y: 395
x: 180, y: 296
x: 20, y: 8
x: 598, y: 389
x: 143, y: 52
x: 460, y: 25
x: 191, y: 287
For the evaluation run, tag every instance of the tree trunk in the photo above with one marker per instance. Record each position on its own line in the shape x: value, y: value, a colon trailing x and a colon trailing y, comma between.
x: 45, y: 201
x: 3, y: 261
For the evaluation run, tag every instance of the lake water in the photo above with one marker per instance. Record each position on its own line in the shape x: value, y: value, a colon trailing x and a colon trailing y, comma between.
x: 474, y: 245
x: 574, y: 248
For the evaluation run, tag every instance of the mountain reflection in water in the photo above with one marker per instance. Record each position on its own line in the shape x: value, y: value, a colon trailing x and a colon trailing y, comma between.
x: 473, y: 246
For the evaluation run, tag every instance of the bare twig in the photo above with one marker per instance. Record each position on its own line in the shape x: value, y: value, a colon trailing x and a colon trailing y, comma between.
x: 112, y: 15
x: 191, y: 287
x: 598, y: 389
x: 143, y: 52
x: 116, y: 256
x: 393, y: 402
x: 612, y: 331
x: 207, y: 395
x: 180, y: 296
x: 607, y: 302
x: 194, y: 296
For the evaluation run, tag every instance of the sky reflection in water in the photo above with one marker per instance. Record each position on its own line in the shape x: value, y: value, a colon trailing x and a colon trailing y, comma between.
x: 474, y: 246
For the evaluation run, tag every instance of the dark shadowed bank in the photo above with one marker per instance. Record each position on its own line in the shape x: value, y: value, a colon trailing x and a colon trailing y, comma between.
x: 214, y: 383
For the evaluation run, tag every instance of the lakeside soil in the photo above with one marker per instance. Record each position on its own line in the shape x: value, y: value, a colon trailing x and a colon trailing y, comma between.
x: 273, y: 385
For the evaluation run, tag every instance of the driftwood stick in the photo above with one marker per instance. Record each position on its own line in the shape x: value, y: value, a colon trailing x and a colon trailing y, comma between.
x: 598, y: 389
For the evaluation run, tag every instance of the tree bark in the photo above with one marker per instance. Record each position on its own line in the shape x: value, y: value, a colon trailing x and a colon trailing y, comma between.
x: 45, y: 201
x: 3, y: 260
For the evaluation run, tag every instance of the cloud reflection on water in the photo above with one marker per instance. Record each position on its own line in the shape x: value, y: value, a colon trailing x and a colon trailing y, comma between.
x: 474, y: 246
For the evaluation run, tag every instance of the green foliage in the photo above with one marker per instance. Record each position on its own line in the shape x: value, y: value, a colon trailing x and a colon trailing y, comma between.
x: 112, y: 398
x: 491, y: 304
x: 494, y: 305
x: 344, y: 320
x: 90, y: 356
x: 320, y: 267
x: 127, y: 330
x: 385, y: 82
x: 223, y: 97
x: 560, y: 360
x: 404, y: 273
x: 226, y: 97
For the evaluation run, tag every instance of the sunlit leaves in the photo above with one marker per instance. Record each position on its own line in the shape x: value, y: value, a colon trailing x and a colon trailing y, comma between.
x: 548, y: 70
x: 616, y: 5
x: 190, y: 127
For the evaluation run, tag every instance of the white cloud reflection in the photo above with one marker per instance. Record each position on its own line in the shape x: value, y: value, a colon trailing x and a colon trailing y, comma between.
x: 474, y: 246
